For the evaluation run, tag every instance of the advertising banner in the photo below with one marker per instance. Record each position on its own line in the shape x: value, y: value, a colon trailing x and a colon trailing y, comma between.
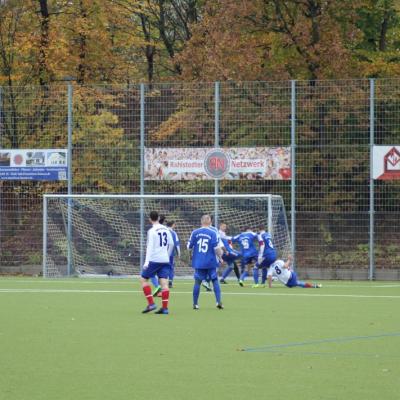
x: 250, y: 163
x: 386, y: 162
x: 34, y: 164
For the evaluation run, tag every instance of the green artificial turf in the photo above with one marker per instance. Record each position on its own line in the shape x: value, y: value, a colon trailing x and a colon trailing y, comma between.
x: 87, y: 339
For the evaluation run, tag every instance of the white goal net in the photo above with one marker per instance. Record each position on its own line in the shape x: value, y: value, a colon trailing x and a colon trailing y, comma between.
x: 106, y: 234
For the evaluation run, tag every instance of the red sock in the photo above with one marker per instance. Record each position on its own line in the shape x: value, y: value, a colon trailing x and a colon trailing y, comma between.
x: 165, y: 297
x: 309, y: 285
x: 148, y: 295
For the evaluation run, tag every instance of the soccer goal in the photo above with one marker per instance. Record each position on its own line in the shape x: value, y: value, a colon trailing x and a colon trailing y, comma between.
x: 106, y: 234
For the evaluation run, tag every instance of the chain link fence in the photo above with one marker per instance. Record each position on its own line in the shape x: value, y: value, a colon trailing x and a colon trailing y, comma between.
x: 344, y: 224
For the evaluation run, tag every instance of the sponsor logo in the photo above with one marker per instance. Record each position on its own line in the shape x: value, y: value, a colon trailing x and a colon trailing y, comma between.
x: 216, y: 164
x: 391, y: 165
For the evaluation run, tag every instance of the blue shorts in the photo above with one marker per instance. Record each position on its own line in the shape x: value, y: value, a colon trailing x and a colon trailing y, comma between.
x: 162, y: 270
x: 267, y: 261
x: 205, y: 274
x: 248, y: 260
x: 292, y: 282
x: 229, y: 258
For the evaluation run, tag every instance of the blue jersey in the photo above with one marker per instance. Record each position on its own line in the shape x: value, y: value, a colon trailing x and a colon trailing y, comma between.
x: 204, y: 241
x: 177, y: 244
x: 265, y: 238
x: 232, y: 253
x: 246, y: 242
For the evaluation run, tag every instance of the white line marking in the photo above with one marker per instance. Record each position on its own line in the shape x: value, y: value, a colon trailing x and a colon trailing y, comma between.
x: 356, y: 296
x: 123, y: 281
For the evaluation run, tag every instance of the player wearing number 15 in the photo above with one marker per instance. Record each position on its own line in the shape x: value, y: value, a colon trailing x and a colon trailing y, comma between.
x: 206, y: 257
x: 160, y: 246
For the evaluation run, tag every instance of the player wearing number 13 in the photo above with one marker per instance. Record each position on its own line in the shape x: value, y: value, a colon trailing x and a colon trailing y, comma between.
x: 206, y: 256
x: 160, y: 246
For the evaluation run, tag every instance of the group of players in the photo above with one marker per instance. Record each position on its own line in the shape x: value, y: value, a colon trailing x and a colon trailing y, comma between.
x: 211, y: 248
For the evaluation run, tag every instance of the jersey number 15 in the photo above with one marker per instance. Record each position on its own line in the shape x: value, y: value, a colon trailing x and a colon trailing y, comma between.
x: 203, y: 245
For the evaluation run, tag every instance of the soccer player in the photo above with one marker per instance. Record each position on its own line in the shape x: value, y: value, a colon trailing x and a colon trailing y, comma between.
x: 281, y: 270
x: 246, y: 241
x: 159, y: 248
x: 206, y: 283
x: 177, y: 250
x: 230, y: 254
x: 154, y: 280
x: 266, y: 256
x: 205, y: 259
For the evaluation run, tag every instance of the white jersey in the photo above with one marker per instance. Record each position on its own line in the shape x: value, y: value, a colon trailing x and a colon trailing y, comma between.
x: 220, y: 244
x: 223, y: 235
x: 277, y: 270
x: 160, y: 244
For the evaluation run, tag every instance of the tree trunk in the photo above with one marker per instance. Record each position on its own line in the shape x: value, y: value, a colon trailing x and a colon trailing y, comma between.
x: 82, y: 48
x: 44, y: 42
x: 383, y: 32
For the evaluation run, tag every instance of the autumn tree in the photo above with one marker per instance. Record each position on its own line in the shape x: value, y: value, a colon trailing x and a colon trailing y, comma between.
x: 377, y: 49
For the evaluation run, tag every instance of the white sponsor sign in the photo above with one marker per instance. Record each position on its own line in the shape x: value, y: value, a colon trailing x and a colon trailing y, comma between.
x: 217, y: 163
x: 33, y: 164
x: 386, y: 162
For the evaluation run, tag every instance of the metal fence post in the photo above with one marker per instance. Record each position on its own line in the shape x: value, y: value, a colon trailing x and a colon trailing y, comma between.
x: 44, y: 261
x: 69, y: 217
x: 293, y: 169
x: 142, y: 139
x: 1, y: 145
x: 216, y: 145
x: 371, y: 274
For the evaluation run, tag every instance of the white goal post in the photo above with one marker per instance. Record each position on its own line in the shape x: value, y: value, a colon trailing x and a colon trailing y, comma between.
x: 99, y: 234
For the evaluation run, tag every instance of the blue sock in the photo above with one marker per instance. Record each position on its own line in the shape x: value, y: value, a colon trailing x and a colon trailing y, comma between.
x: 196, y: 292
x: 154, y: 281
x: 244, y: 275
x: 171, y: 275
x: 264, y: 275
x: 227, y: 271
x: 255, y: 275
x: 217, y: 290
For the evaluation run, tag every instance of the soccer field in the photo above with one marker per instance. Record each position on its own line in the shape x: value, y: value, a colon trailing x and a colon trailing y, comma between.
x: 87, y: 339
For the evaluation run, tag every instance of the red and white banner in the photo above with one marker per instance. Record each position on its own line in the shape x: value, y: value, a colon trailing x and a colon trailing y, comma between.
x: 261, y: 163
x: 386, y: 162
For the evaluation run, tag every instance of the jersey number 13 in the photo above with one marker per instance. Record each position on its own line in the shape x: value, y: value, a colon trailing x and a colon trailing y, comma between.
x: 163, y: 238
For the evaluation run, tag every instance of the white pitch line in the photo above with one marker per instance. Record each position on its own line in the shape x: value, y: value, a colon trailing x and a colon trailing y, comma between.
x: 125, y: 281
x: 356, y: 296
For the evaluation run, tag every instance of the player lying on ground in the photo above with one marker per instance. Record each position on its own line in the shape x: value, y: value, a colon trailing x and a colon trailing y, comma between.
x: 230, y: 255
x: 160, y: 246
x: 248, y: 250
x: 281, y: 270
x: 266, y: 256
x: 205, y: 259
